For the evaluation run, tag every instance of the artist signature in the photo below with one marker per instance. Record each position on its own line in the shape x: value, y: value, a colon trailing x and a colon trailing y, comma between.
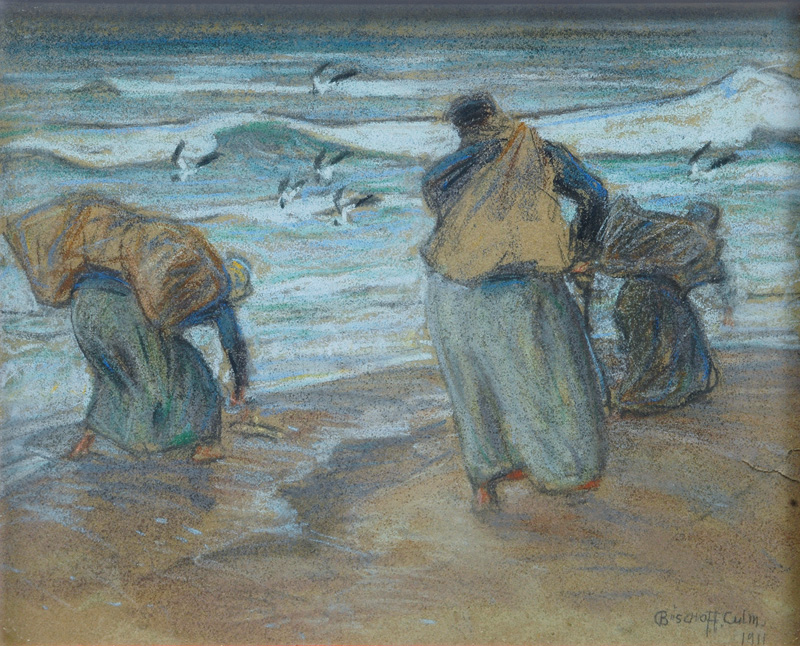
x: 751, y: 625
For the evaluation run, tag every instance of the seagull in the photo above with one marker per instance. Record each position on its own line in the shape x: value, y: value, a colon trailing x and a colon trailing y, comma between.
x: 345, y: 208
x: 324, y: 169
x: 185, y: 169
x: 288, y: 192
x: 320, y: 85
x: 698, y: 153
x: 694, y: 170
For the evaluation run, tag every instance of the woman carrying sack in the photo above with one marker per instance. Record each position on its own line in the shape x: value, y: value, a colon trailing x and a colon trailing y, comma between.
x: 511, y: 342
x: 134, y: 283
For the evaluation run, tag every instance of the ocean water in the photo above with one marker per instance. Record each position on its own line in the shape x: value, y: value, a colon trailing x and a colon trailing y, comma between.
x: 100, y: 99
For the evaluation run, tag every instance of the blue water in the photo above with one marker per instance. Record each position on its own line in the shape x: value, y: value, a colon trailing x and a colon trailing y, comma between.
x: 633, y: 94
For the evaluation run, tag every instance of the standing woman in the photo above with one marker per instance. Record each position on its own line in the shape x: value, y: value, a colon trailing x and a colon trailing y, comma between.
x: 511, y: 342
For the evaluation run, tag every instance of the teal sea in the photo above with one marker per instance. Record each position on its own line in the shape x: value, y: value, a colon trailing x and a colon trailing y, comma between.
x: 99, y: 99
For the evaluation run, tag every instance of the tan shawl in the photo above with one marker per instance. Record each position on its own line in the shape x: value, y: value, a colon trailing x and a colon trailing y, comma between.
x: 171, y: 267
x: 507, y: 215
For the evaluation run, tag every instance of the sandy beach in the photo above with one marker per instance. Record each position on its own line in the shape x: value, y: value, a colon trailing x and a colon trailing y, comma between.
x: 691, y: 537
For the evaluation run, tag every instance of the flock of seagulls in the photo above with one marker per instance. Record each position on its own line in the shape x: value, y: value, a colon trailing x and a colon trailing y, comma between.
x: 289, y: 190
x: 323, y: 171
x: 323, y: 78
x: 323, y: 168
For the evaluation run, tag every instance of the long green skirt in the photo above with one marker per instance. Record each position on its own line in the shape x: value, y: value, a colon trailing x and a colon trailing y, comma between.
x: 152, y: 390
x: 523, y: 381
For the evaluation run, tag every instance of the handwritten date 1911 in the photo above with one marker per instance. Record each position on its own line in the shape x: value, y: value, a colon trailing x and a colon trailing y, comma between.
x: 754, y: 639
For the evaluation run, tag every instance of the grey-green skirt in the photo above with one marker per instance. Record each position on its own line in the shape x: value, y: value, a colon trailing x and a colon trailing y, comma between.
x: 152, y: 390
x: 524, y: 384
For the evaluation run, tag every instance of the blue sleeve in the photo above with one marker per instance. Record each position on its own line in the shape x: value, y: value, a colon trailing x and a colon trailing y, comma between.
x: 726, y: 286
x: 574, y: 182
x: 233, y: 343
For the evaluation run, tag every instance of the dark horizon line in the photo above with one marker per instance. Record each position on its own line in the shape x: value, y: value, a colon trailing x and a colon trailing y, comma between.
x: 379, y: 4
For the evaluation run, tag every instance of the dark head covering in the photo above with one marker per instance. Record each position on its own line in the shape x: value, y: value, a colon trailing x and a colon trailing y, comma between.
x: 478, y: 119
x: 484, y: 129
x: 471, y: 110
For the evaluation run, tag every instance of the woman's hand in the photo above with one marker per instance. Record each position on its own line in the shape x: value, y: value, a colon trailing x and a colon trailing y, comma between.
x: 727, y: 317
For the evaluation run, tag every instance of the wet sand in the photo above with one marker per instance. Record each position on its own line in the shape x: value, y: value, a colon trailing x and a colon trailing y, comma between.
x: 300, y: 536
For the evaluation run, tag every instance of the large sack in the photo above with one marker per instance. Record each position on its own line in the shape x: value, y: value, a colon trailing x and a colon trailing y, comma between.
x: 506, y: 215
x: 37, y: 240
x: 639, y: 242
x: 171, y: 267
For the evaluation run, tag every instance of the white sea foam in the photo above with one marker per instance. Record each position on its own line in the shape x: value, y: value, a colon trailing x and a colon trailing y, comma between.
x: 106, y: 147
x: 726, y: 112
x: 415, y: 139
x: 139, y: 87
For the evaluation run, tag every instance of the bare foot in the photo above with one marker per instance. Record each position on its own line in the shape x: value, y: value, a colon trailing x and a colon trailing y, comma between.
x: 82, y: 447
x: 485, y: 498
x: 205, y: 453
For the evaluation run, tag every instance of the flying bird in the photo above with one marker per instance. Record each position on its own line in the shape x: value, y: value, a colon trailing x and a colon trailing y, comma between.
x: 695, y: 170
x: 288, y: 191
x: 345, y: 208
x: 699, y: 153
x: 187, y: 168
x: 320, y: 85
x: 324, y: 168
